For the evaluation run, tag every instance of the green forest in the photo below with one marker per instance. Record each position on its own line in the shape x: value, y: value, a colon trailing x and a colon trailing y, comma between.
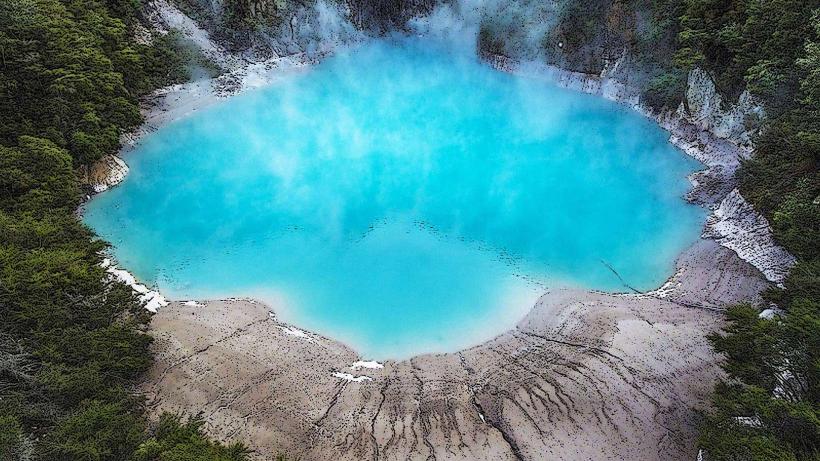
x: 769, y: 408
x: 72, y: 342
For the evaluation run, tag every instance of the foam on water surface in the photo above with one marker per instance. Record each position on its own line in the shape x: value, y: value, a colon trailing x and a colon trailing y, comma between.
x: 402, y: 198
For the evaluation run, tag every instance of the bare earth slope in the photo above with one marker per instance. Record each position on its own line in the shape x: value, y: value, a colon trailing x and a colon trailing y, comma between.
x: 584, y: 376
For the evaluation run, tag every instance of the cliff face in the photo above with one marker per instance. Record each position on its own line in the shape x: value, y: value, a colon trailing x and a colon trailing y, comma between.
x: 589, y: 34
x: 707, y: 109
x: 557, y: 31
x: 104, y: 174
x: 736, y: 225
x: 256, y: 30
x: 381, y: 16
x: 260, y: 29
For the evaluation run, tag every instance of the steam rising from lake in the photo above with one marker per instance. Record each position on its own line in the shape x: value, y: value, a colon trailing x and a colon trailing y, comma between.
x: 401, y: 197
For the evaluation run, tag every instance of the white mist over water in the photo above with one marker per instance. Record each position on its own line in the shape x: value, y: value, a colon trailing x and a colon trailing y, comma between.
x: 403, y: 198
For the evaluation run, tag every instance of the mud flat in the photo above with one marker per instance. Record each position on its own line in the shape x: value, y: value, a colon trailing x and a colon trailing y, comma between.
x: 583, y: 376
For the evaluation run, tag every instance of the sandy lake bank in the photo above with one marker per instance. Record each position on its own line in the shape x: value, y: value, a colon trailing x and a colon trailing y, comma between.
x: 583, y: 376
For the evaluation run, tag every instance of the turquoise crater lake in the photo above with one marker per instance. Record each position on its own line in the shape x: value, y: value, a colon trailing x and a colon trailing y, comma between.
x: 402, y: 198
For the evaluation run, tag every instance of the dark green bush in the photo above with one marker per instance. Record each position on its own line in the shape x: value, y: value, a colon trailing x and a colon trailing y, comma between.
x: 71, y: 341
x: 665, y: 91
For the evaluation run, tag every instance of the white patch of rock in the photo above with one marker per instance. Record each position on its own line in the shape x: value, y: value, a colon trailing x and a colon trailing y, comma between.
x: 771, y: 312
x: 292, y: 331
x: 152, y: 300
x: 350, y: 378
x: 736, y: 225
x: 371, y: 364
x: 751, y: 421
x: 708, y: 111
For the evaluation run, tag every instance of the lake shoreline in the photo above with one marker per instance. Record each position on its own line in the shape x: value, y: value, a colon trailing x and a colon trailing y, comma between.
x: 583, y: 375
x: 734, y: 223
x: 522, y: 394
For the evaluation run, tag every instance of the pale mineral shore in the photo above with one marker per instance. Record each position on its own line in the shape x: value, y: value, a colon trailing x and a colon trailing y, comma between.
x: 584, y: 375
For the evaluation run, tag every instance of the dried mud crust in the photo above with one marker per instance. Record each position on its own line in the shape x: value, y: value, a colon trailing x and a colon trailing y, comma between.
x: 583, y: 376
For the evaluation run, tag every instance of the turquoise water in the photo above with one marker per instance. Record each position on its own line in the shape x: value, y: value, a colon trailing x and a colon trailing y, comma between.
x: 401, y: 197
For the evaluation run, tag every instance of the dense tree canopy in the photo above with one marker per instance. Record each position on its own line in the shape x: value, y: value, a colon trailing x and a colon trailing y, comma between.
x: 71, y: 340
x: 769, y: 408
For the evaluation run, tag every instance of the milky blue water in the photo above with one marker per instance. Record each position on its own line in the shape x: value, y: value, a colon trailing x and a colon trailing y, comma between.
x: 402, y: 198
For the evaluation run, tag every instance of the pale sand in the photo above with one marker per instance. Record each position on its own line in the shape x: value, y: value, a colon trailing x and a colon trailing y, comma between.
x: 583, y: 376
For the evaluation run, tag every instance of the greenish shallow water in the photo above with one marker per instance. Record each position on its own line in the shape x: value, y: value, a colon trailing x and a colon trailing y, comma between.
x: 402, y: 198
